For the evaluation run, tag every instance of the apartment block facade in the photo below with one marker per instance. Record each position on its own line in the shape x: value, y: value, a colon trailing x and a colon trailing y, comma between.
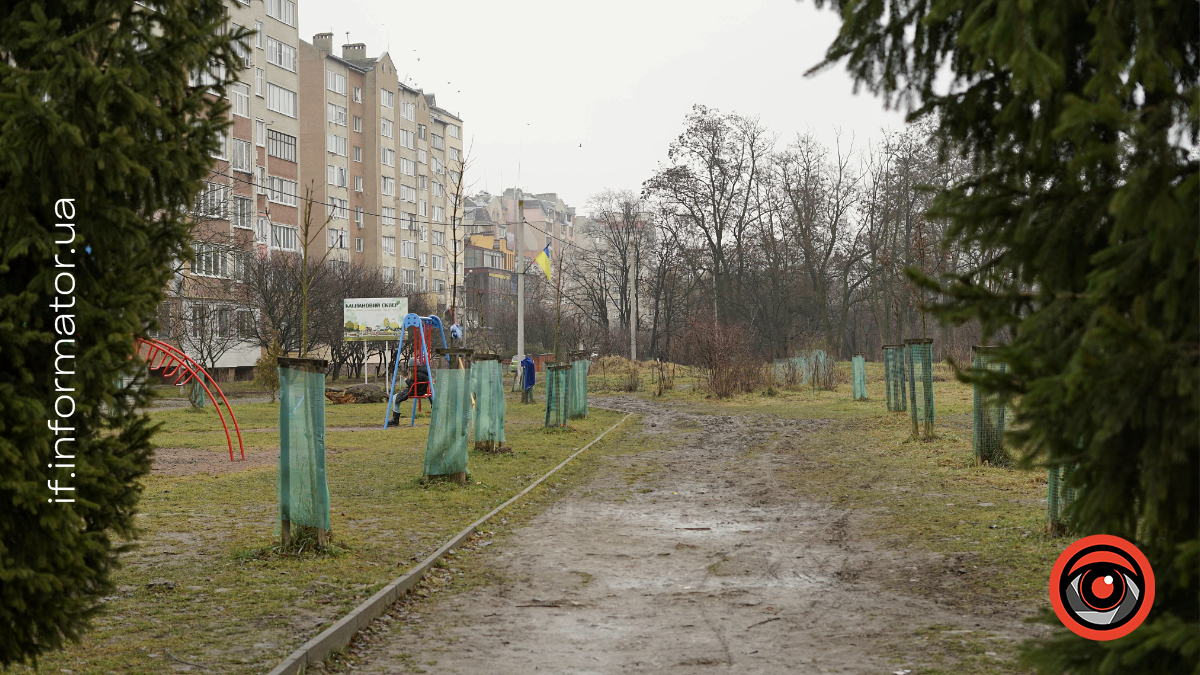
x: 384, y: 162
x: 251, y: 200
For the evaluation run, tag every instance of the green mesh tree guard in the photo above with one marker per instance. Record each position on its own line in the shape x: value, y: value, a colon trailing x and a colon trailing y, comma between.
x: 557, y: 394
x: 450, y: 420
x: 577, y: 397
x: 792, y: 372
x: 919, y: 355
x: 990, y: 416
x: 303, y: 492
x: 1059, y: 495
x: 487, y: 379
x: 894, y: 378
x: 821, y: 370
x: 858, y: 371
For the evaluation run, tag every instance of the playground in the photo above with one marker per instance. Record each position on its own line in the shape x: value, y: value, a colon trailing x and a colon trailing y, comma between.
x: 781, y: 527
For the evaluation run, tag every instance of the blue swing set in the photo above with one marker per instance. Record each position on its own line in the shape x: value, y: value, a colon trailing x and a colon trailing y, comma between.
x: 423, y: 326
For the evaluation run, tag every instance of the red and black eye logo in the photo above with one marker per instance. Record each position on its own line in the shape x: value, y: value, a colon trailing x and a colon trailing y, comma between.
x: 1102, y: 587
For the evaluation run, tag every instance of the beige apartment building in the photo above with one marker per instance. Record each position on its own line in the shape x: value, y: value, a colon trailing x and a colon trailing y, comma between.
x: 384, y: 162
x: 547, y: 220
x: 251, y: 200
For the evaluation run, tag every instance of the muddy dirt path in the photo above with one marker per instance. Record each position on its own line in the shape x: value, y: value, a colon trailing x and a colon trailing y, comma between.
x: 689, y: 558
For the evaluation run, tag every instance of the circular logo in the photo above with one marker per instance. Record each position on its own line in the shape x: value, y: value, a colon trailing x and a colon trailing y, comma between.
x: 1102, y: 587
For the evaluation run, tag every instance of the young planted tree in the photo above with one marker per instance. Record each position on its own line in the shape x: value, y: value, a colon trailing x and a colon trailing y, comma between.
x: 103, y: 147
x: 1081, y: 120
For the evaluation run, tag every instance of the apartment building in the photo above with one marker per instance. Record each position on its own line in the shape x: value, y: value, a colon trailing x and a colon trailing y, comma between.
x: 251, y: 200
x: 385, y: 162
x: 547, y: 220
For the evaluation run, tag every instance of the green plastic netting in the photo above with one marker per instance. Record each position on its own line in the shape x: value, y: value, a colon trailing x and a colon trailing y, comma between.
x: 1059, y: 495
x: 449, y: 423
x: 577, y: 396
x: 487, y: 378
x: 858, y: 368
x: 919, y: 354
x: 303, y: 492
x: 813, y: 368
x: 894, y: 378
x: 990, y: 416
x: 558, y: 393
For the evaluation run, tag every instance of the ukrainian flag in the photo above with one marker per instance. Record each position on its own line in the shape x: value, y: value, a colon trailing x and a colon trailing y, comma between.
x: 543, y: 261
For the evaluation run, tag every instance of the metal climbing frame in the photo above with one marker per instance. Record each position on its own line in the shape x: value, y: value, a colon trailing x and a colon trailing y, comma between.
x: 423, y: 329
x: 175, y: 364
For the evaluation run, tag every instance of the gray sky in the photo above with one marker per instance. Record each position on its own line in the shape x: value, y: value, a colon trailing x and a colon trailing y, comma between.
x: 534, y: 80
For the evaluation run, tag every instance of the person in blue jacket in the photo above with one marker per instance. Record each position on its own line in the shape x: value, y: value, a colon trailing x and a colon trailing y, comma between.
x: 529, y: 370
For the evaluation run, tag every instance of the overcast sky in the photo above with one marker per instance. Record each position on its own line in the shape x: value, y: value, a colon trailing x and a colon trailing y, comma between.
x: 579, y: 97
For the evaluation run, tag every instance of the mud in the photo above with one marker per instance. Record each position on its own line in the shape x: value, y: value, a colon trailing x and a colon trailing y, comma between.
x: 691, y: 558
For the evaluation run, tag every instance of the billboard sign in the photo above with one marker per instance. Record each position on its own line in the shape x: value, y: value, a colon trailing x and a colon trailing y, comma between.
x: 373, y: 318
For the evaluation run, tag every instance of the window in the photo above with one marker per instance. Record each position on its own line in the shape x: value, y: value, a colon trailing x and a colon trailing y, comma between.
x: 282, y: 10
x: 439, y: 263
x: 422, y: 156
x: 284, y: 237
x: 389, y: 274
x: 338, y: 238
x: 424, y: 233
x: 389, y: 216
x: 258, y: 34
x: 387, y: 98
x: 438, y: 190
x: 408, y: 111
x: 408, y: 194
x: 357, y: 95
x: 260, y: 133
x: 241, y: 212
x: 241, y: 159
x: 239, y: 98
x: 358, y: 184
x: 220, y: 150
x: 260, y: 82
x: 439, y: 214
x: 439, y: 238
x: 408, y: 139
x: 357, y: 154
x: 408, y: 167
x: 385, y: 127
x: 454, y: 155
x: 439, y: 285
x: 424, y: 182
x: 336, y: 144
x: 408, y: 249
x: 240, y: 47
x: 261, y: 182
x: 455, y: 177
x: 424, y: 259
x: 337, y: 114
x: 389, y: 186
x: 423, y: 208
x: 211, y: 202
x: 335, y: 82
x: 358, y: 124
x: 408, y: 221
x: 280, y: 100
x: 388, y: 156
x: 282, y: 55
x: 438, y: 142
x: 437, y: 165
x: 358, y: 216
x: 339, y: 208
x: 421, y: 131
x: 410, y: 277
x: 358, y: 245
x: 452, y: 130
x: 281, y: 190
x: 211, y: 261
x: 337, y: 175
x: 245, y: 323
x: 207, y: 77
x: 281, y: 145
x: 389, y: 245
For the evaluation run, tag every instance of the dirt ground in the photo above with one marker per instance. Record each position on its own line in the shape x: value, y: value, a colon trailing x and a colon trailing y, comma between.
x: 690, y: 557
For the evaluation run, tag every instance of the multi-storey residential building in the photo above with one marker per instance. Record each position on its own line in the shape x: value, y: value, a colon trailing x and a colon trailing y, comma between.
x: 491, y: 286
x: 386, y: 162
x: 251, y: 199
x: 547, y: 220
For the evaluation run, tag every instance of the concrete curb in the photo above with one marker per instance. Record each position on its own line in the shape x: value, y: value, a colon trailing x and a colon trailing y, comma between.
x: 339, y: 634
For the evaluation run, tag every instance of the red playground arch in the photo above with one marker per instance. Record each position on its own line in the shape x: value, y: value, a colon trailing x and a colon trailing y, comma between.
x: 175, y: 364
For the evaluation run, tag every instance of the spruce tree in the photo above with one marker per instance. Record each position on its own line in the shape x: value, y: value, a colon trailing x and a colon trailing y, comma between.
x: 1081, y: 121
x: 95, y: 107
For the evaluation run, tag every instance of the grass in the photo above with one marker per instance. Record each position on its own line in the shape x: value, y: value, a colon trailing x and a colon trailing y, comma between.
x: 207, y: 583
